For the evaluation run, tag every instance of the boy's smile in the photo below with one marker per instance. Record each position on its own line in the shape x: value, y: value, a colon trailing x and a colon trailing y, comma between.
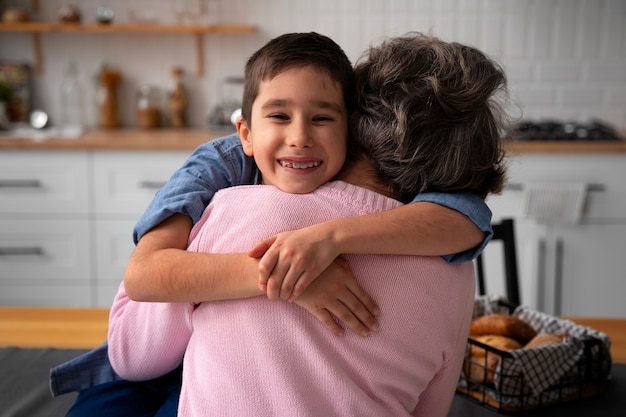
x: 299, y: 129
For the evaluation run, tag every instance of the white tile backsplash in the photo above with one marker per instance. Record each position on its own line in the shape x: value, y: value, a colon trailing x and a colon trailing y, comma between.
x: 565, y: 58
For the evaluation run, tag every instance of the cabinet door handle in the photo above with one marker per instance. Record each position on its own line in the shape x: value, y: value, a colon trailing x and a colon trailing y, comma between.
x: 20, y: 184
x: 558, y: 276
x: 34, y: 250
x: 514, y: 186
x: 152, y: 185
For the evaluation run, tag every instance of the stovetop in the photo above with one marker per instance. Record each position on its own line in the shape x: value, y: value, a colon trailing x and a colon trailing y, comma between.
x: 565, y: 131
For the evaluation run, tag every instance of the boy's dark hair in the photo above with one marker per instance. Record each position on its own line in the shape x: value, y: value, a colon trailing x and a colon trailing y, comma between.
x: 426, y: 114
x: 297, y: 50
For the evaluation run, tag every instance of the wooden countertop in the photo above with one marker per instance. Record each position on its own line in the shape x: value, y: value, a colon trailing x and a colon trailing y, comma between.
x: 87, y: 328
x: 119, y: 139
x: 40, y: 327
x: 566, y: 147
x: 189, y: 139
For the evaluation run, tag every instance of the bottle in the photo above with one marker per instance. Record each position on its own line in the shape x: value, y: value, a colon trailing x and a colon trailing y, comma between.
x: 72, y: 103
x: 109, y: 79
x: 149, y: 107
x: 176, y: 99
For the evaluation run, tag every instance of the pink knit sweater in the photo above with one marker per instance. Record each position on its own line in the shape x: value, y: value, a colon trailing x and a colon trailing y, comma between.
x: 257, y: 357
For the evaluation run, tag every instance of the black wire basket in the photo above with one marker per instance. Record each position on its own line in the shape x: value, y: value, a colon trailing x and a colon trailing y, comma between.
x: 512, y: 382
x: 491, y: 383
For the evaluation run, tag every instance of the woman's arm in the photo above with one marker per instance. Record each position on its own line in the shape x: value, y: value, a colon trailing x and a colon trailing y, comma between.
x: 147, y: 340
x: 292, y: 260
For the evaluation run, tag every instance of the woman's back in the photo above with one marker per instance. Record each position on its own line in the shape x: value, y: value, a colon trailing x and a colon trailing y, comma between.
x: 260, y: 357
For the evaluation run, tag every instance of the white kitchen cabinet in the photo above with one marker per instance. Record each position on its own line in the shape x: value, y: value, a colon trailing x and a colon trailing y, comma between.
x: 591, y: 279
x: 44, y: 229
x: 112, y: 248
x: 125, y: 182
x: 124, y: 185
x: 39, y: 255
x: 66, y: 221
x: 50, y: 183
x: 570, y: 269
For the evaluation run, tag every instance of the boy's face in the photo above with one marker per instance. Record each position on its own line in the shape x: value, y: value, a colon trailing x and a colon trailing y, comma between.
x: 299, y: 130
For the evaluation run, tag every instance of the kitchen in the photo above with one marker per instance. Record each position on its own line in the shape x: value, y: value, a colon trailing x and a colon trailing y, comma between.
x: 565, y: 61
x: 70, y: 198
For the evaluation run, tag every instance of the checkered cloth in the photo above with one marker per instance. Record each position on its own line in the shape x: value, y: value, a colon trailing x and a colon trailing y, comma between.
x: 531, y: 374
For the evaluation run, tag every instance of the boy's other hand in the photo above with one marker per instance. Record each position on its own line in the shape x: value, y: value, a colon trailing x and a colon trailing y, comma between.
x: 336, y: 293
x: 291, y: 261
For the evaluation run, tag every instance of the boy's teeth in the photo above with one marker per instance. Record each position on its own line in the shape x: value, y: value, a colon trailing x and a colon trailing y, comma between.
x: 299, y: 165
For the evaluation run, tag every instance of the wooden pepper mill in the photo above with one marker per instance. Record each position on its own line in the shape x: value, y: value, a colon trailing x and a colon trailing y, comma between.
x: 107, y: 98
x: 176, y: 100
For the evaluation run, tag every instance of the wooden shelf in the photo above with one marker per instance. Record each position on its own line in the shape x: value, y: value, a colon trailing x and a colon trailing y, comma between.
x: 36, y: 28
x: 123, y: 28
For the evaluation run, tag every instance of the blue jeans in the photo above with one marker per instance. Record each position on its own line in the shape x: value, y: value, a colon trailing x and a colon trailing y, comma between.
x: 155, y: 398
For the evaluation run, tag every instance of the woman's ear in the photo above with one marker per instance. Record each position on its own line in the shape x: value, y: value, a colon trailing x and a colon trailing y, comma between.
x: 245, y: 135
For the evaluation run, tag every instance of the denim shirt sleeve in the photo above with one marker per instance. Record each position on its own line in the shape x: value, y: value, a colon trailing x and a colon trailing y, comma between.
x: 474, y: 208
x: 212, y: 166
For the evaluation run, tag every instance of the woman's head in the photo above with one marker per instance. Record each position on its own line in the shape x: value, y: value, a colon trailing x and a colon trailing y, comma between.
x: 427, y: 114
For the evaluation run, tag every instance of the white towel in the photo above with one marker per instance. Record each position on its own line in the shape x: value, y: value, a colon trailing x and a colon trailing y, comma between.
x: 555, y: 202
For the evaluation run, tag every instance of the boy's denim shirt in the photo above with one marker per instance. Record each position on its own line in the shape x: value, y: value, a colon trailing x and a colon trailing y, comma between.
x: 214, y: 165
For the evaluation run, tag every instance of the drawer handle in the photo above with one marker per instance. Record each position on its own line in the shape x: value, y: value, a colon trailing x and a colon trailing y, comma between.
x: 20, y: 184
x: 519, y: 187
x: 34, y: 250
x: 152, y: 185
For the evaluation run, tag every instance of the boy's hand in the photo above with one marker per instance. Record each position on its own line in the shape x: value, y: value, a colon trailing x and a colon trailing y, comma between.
x: 336, y: 293
x: 290, y: 261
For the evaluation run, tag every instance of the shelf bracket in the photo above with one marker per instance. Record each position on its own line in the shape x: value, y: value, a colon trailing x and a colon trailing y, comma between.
x: 37, y: 52
x: 199, y: 54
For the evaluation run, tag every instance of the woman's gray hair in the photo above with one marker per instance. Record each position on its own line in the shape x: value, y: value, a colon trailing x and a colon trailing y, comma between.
x: 428, y: 115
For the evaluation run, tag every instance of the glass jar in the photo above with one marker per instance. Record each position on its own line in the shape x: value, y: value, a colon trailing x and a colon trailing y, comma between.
x: 149, y: 107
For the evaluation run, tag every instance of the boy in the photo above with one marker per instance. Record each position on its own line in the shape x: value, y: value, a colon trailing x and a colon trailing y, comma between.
x: 287, y: 365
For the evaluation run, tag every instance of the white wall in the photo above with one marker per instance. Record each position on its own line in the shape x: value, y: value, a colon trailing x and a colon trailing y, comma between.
x: 565, y: 58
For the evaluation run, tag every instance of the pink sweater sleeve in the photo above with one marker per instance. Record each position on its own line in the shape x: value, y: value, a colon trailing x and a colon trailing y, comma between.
x: 147, y: 340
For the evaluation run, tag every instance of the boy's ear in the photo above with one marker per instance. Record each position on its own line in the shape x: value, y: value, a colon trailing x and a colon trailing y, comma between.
x: 245, y: 135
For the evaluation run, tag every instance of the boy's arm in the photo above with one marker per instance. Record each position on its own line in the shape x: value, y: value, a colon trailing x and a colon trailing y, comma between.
x: 450, y: 224
x: 161, y: 269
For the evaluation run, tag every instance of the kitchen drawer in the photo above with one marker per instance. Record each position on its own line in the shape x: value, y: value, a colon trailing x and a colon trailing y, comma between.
x: 605, y: 173
x: 113, y: 247
x: 44, y: 250
x: 125, y: 182
x: 105, y: 293
x: 44, y: 182
x: 49, y: 294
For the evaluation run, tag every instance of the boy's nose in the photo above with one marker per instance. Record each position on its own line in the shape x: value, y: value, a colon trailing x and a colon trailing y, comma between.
x: 299, y: 136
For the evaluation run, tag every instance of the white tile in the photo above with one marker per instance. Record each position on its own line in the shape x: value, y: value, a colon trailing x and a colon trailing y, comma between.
x: 534, y: 94
x: 616, y: 96
x: 515, y: 34
x: 560, y: 72
x: 520, y: 71
x: 613, y: 71
x: 588, y: 96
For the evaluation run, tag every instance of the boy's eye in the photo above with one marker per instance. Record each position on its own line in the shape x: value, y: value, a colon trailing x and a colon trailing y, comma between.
x: 323, y: 119
x: 278, y: 116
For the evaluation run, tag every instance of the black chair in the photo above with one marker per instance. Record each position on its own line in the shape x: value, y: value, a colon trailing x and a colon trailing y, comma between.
x: 504, y: 231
